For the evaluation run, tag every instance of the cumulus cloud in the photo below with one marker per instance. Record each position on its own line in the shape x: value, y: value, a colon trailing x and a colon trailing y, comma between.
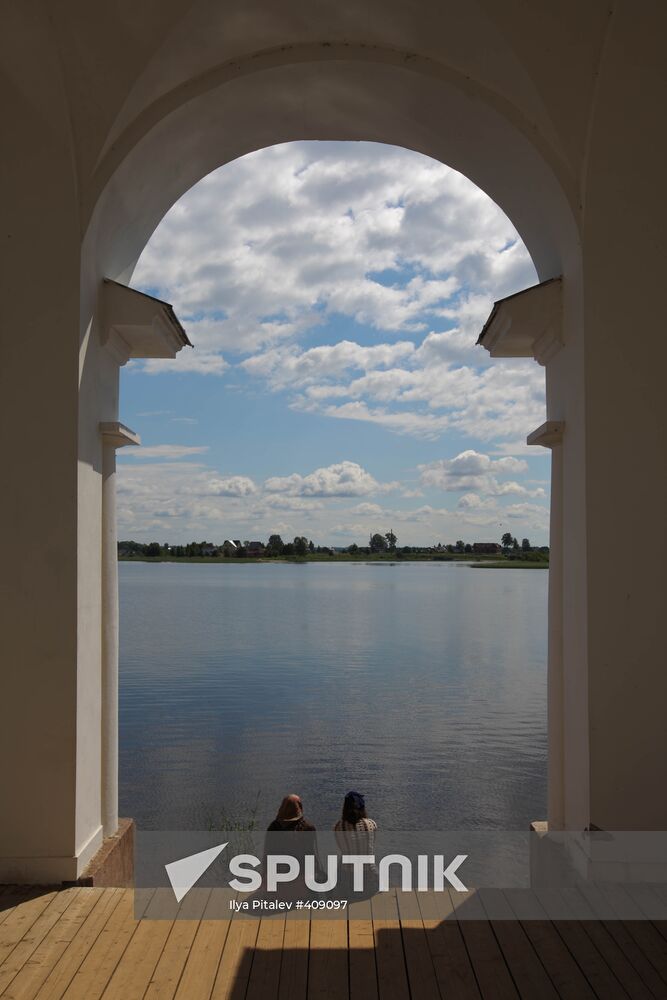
x: 345, y: 479
x: 273, y: 243
x: 284, y: 367
x: 285, y: 240
x: 477, y: 473
x: 166, y: 495
x: 178, y: 500
x: 473, y: 502
x: 171, y: 498
x: 179, y: 479
x: 489, y: 403
x: 371, y: 509
x: 467, y: 470
x: 352, y: 279
x: 231, y: 486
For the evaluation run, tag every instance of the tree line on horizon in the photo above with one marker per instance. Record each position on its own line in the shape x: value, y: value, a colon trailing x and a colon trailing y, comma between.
x: 302, y: 547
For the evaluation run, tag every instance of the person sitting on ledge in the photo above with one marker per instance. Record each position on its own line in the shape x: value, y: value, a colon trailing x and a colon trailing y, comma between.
x: 355, y: 834
x: 290, y: 817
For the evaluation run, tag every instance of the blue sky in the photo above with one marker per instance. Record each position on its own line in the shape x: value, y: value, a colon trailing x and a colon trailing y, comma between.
x: 334, y: 293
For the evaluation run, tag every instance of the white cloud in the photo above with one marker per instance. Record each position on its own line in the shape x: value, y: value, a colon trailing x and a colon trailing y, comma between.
x: 181, y: 500
x: 529, y: 513
x: 345, y: 479
x: 425, y: 400
x: 284, y: 367
x: 478, y: 473
x: 477, y: 511
x: 473, y: 502
x: 231, y: 486
x: 425, y: 425
x: 281, y: 501
x: 281, y: 241
x: 284, y: 248
x: 371, y: 509
x: 165, y: 451
x: 275, y: 242
x: 176, y: 480
x: 166, y: 496
x: 197, y: 362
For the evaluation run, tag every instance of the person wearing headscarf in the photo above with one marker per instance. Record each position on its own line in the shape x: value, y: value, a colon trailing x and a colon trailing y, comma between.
x: 290, y: 818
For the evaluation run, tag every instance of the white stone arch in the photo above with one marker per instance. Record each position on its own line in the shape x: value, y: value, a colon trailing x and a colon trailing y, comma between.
x: 112, y: 110
x: 364, y: 92
x: 328, y: 91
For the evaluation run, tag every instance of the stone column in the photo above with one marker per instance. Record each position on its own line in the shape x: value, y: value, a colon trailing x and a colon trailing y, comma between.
x: 129, y: 324
x: 550, y: 435
x: 114, y: 435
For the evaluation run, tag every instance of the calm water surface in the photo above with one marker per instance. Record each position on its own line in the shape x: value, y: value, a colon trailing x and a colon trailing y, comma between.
x: 422, y: 685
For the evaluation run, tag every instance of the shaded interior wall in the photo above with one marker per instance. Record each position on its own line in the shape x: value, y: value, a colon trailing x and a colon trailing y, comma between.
x: 626, y: 415
x: 38, y: 374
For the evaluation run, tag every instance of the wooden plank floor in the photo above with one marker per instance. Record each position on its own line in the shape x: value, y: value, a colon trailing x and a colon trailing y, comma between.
x: 86, y: 944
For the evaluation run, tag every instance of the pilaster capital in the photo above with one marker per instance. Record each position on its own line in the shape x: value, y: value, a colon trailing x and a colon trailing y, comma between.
x: 528, y: 324
x: 117, y: 435
x: 547, y: 435
x: 133, y: 324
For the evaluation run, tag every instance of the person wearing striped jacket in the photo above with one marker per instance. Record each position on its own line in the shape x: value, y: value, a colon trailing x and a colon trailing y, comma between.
x: 355, y: 834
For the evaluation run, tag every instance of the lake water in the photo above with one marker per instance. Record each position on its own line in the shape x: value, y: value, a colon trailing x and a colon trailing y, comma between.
x: 421, y: 685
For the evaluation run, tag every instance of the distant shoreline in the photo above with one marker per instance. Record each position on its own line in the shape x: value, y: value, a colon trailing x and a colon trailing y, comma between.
x: 472, y: 561
x: 510, y: 564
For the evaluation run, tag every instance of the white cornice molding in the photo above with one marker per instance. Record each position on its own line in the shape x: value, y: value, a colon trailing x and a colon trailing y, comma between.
x: 135, y: 325
x: 118, y: 435
x: 548, y: 345
x: 547, y: 435
x: 528, y: 324
x: 118, y: 347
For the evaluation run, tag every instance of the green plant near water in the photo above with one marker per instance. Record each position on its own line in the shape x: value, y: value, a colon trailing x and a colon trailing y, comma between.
x: 241, y: 823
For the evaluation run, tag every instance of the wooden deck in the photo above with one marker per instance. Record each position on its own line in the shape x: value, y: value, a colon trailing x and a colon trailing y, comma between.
x: 85, y: 943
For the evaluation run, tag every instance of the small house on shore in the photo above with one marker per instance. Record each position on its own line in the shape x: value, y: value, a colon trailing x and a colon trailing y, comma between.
x: 486, y: 548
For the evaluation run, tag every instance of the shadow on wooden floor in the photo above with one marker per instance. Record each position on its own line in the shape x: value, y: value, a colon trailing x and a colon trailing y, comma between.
x: 470, y: 959
x: 86, y: 943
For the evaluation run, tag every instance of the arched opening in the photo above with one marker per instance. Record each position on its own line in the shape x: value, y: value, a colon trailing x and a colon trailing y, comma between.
x: 340, y: 675
x: 349, y: 94
x: 111, y: 119
x: 339, y: 92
